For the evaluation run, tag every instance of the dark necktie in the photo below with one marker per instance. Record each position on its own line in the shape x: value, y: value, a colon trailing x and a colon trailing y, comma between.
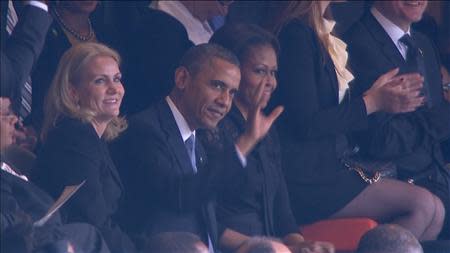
x: 415, y: 62
x: 190, y: 147
x: 24, y: 102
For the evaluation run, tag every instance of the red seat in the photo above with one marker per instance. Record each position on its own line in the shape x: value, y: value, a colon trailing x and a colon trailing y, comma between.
x: 343, y: 233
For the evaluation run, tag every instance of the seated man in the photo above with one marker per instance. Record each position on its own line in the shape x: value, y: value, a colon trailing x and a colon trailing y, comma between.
x: 22, y: 203
x: 381, y: 40
x: 175, y: 242
x: 167, y: 178
x: 389, y: 239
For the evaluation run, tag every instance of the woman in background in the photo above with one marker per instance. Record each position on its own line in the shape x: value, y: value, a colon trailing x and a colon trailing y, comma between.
x: 320, y: 113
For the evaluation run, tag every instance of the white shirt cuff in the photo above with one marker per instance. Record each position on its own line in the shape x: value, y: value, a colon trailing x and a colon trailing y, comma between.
x: 38, y: 4
x: 241, y: 157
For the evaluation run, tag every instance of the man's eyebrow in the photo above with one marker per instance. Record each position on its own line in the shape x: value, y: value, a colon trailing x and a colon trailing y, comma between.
x: 218, y: 82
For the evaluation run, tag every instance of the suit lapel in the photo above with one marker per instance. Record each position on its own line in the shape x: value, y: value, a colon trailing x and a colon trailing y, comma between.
x: 387, y: 45
x: 174, y: 139
x: 331, y: 71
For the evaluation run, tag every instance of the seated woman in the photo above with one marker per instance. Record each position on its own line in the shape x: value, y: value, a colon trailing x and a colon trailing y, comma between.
x: 81, y: 114
x: 260, y: 207
x: 319, y: 114
x: 72, y: 25
x: 23, y: 203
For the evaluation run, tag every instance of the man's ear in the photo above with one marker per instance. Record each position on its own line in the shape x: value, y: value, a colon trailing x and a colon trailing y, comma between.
x: 182, y: 77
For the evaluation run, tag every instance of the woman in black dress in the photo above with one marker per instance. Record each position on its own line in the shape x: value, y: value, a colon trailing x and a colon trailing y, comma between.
x: 261, y: 205
x: 320, y: 113
x: 81, y: 114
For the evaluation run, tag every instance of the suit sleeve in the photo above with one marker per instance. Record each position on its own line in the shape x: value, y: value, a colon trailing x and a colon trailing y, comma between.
x: 21, y: 50
x: 300, y: 63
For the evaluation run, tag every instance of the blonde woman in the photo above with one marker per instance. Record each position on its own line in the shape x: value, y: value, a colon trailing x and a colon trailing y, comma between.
x: 81, y: 115
x: 319, y: 113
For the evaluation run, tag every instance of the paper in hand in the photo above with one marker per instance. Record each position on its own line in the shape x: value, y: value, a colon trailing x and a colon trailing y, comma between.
x: 65, y: 195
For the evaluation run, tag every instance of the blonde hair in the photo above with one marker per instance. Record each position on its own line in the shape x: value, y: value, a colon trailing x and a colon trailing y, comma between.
x: 60, y: 101
x: 307, y: 11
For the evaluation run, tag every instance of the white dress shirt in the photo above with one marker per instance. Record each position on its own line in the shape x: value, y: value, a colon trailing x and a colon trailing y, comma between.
x: 5, y: 167
x: 199, y: 32
x: 394, y: 32
x: 182, y: 124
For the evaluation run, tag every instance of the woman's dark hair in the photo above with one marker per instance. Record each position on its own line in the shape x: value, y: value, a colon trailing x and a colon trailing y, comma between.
x: 240, y: 38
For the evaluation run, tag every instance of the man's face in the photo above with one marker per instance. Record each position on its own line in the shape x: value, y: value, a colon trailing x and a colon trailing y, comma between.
x: 207, y: 96
x: 402, y: 12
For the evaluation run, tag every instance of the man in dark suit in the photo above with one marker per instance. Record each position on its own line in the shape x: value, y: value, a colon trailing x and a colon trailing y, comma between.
x: 382, y: 40
x: 166, y: 176
x: 20, y: 50
x: 22, y: 203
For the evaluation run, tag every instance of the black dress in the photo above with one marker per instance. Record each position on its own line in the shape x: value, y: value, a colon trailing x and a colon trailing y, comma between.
x: 72, y: 153
x: 314, y: 125
x: 260, y: 205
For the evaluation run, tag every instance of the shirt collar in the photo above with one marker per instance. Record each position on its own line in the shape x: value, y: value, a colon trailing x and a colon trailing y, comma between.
x: 199, y: 32
x: 391, y: 29
x: 182, y: 124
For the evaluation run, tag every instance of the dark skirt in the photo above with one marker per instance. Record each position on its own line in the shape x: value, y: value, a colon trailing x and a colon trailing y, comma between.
x: 313, y: 202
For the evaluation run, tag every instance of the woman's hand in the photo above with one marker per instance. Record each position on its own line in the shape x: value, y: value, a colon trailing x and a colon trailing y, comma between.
x: 395, y: 94
x: 258, y: 124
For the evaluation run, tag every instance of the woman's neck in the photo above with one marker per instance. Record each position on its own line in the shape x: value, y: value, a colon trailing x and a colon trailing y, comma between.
x: 99, y: 127
x: 78, y: 21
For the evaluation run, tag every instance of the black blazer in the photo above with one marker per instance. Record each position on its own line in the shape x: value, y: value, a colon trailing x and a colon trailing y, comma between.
x: 72, y: 153
x: 313, y: 126
x: 260, y: 204
x: 21, y: 200
x: 411, y: 139
x: 163, y: 193
x: 20, y: 51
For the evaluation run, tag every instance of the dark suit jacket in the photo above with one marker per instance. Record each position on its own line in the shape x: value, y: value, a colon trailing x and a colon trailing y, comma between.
x: 163, y: 193
x: 258, y: 204
x: 21, y: 199
x: 71, y: 153
x: 314, y: 125
x: 20, y: 51
x: 411, y: 139
x: 153, y: 51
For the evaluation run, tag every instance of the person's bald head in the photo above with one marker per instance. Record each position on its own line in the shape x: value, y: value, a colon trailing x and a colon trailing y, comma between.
x: 263, y: 245
x: 389, y: 238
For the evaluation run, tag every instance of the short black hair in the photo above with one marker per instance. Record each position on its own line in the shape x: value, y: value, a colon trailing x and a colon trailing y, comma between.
x: 203, y: 54
x: 173, y: 242
x: 240, y: 38
x: 388, y: 238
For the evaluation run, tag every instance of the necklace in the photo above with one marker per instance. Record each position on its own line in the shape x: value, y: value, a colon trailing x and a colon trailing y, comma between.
x: 73, y: 32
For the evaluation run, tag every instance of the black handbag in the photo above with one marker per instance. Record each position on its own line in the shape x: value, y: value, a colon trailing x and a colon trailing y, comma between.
x: 369, y: 170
